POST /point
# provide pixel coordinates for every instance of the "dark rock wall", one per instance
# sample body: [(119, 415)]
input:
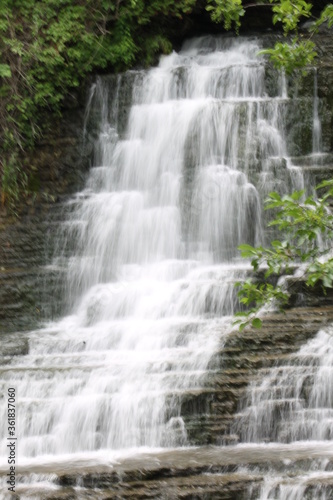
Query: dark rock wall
[(27, 290)]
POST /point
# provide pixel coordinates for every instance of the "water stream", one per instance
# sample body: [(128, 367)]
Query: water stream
[(150, 250), (293, 404), (316, 134)]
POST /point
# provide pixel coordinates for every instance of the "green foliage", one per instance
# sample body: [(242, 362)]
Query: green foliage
[(5, 71), (227, 11), (296, 54), (325, 17), (290, 56), (306, 224), (48, 47), (286, 12), (254, 296), (14, 181), (289, 13)]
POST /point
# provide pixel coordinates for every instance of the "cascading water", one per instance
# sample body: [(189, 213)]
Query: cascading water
[(151, 278), (293, 404), (316, 132)]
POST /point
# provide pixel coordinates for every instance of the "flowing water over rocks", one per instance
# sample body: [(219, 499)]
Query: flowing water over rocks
[(293, 404), (120, 398)]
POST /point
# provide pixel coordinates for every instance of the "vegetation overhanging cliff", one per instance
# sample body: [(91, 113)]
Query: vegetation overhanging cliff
[(49, 48)]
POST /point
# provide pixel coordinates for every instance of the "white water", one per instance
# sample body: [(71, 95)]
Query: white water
[(155, 234), (316, 128), (294, 404)]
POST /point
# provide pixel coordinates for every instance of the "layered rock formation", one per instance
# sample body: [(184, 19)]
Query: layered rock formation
[(28, 237)]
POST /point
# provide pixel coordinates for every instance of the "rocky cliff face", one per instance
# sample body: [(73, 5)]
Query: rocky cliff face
[(27, 294)]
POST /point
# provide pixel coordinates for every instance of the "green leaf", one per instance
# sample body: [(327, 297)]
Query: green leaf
[(5, 71), (256, 323), (247, 250), (242, 326)]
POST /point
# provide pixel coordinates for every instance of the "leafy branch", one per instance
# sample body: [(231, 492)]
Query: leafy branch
[(296, 54), (306, 224)]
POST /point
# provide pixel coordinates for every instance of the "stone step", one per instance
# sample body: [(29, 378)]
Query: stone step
[(229, 486), (313, 160), (247, 356), (205, 473)]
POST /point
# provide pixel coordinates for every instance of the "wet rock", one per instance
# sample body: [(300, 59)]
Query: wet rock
[(208, 413)]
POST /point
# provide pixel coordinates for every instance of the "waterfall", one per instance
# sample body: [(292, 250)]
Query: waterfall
[(316, 129), (183, 156)]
